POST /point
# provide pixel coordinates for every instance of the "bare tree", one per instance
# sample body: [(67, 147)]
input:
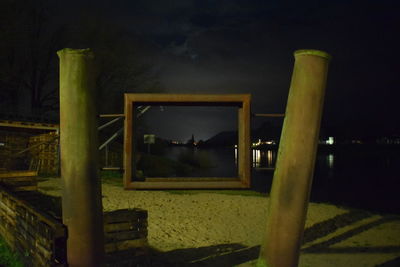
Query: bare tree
[(118, 60), (30, 38), (32, 34)]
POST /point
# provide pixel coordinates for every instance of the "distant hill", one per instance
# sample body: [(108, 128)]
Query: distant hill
[(229, 138), (266, 131), (226, 138)]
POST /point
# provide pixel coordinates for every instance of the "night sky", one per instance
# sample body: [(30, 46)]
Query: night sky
[(238, 46)]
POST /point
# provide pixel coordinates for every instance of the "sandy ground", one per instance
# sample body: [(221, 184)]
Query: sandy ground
[(210, 229)]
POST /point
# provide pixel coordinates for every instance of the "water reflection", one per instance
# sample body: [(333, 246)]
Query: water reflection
[(270, 158), (236, 154), (263, 158), (267, 159), (256, 158), (330, 160)]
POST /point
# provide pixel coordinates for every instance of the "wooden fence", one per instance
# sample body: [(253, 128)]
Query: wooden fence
[(11, 143), (19, 180), (45, 152)]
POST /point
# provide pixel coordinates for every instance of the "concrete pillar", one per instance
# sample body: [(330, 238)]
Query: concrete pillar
[(82, 209), (293, 175)]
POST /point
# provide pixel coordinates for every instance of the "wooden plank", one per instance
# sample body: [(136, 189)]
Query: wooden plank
[(17, 179), (20, 241), (18, 183), (11, 202), (7, 235), (29, 125), (44, 242), (45, 230), (18, 174), (111, 168), (127, 155), (7, 210), (124, 245), (25, 188), (273, 115), (40, 260), (187, 98), (21, 224), (21, 211), (124, 226), (263, 169), (8, 223), (126, 235), (111, 115), (46, 252), (244, 140), (124, 215), (9, 217)]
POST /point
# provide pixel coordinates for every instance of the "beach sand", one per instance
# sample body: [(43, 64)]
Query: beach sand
[(215, 229)]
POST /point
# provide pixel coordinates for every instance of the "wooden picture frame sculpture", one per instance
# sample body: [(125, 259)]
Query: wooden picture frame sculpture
[(242, 101)]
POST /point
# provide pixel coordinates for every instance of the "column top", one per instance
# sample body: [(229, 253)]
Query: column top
[(85, 51), (312, 52)]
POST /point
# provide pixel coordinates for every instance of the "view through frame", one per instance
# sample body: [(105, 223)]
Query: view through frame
[(242, 101)]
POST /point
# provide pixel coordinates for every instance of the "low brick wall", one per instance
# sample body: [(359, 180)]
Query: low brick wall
[(35, 235), (40, 237)]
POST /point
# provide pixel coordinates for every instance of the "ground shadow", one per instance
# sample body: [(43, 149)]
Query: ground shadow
[(329, 226), (324, 247), (218, 255), (392, 263), (235, 254)]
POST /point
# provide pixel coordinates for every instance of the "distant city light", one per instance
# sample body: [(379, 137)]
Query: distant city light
[(330, 160), (260, 142), (330, 140)]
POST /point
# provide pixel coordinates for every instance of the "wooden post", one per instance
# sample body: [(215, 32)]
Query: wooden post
[(295, 163), (244, 141), (81, 192), (106, 163)]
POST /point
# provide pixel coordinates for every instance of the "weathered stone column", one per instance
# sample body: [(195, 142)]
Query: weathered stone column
[(295, 163), (82, 209)]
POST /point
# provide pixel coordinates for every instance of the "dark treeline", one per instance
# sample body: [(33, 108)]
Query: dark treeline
[(34, 30)]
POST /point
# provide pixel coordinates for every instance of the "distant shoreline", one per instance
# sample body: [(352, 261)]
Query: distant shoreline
[(321, 147)]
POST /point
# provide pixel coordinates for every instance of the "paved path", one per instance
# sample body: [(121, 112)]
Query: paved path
[(210, 229)]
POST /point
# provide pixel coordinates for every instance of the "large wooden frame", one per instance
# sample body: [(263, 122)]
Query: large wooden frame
[(242, 101)]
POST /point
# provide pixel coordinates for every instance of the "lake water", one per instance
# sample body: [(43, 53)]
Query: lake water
[(360, 177)]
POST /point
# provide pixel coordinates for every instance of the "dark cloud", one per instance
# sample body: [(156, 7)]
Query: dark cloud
[(238, 46)]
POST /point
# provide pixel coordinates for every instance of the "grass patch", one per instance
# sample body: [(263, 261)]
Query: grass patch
[(111, 177), (7, 257)]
